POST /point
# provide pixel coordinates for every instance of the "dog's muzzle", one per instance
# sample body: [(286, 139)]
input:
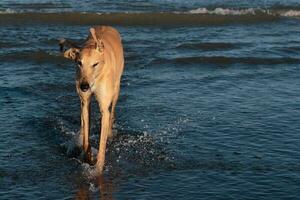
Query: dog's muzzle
[(84, 86)]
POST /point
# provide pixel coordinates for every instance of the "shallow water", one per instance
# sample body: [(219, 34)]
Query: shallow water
[(209, 105)]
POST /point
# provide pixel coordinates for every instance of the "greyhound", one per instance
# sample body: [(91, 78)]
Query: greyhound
[(100, 63)]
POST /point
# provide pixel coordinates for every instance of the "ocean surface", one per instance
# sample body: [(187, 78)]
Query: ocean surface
[(209, 105)]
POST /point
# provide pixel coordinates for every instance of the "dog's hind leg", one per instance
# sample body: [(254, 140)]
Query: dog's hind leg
[(113, 105), (85, 99)]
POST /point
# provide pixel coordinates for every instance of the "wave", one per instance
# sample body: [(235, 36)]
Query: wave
[(50, 57), (224, 11), (207, 46), (46, 57), (191, 18), (277, 10), (274, 10), (9, 44), (222, 60), (33, 56), (249, 11), (290, 13), (200, 16)]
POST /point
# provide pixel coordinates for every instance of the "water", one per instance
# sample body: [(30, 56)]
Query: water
[(209, 105)]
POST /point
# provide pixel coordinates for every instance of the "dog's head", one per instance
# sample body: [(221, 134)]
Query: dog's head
[(89, 61)]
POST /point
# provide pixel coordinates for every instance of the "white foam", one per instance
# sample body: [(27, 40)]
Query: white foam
[(7, 11), (248, 11), (199, 11), (224, 11), (291, 13), (216, 11)]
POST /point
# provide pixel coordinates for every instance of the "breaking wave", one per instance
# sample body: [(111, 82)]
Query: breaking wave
[(200, 16), (248, 11)]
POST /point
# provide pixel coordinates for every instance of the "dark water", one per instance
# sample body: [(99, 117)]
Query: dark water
[(209, 105)]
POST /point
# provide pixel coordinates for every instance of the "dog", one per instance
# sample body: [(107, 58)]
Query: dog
[(100, 64)]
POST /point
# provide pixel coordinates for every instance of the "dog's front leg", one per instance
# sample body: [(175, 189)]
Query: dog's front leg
[(105, 126), (85, 99), (104, 103)]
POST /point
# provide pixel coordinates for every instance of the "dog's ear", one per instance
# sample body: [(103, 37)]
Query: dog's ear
[(99, 42), (71, 53)]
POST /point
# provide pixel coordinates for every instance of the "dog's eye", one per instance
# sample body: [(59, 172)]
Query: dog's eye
[(79, 63), (94, 65)]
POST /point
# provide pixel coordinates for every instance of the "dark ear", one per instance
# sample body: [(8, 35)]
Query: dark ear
[(71, 53), (99, 42)]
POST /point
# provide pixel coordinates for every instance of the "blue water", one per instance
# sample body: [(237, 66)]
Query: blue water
[(206, 111)]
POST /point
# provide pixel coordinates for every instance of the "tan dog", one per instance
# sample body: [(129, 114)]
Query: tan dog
[(100, 65)]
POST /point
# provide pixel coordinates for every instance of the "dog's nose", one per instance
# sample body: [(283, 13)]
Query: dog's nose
[(84, 86)]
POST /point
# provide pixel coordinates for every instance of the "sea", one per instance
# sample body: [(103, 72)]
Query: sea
[(209, 106)]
